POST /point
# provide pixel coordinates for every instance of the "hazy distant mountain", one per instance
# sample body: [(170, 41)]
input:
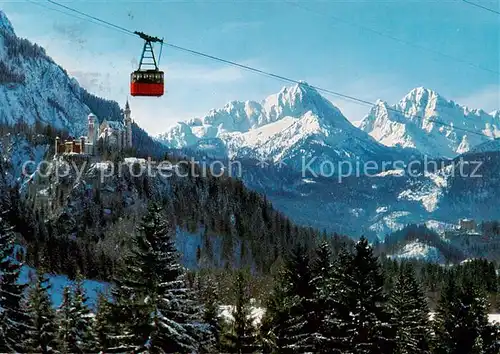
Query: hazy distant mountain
[(414, 122), (296, 123)]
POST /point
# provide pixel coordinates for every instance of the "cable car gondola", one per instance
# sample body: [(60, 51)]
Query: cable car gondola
[(148, 80)]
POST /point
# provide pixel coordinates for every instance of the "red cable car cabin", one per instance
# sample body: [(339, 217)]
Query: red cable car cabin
[(147, 81)]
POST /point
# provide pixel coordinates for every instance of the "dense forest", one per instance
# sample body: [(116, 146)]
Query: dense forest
[(320, 292), (319, 302)]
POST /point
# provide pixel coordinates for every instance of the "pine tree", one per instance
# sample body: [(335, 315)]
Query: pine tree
[(103, 327), (322, 305), (130, 315), (241, 336), (41, 337), (338, 319), (285, 324), (461, 317), (275, 321), (158, 312), (67, 336), (211, 317), (410, 314), (14, 320), (478, 347), (491, 338), (85, 341), (369, 329)]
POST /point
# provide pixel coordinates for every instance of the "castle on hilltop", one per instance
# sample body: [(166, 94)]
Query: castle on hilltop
[(111, 134)]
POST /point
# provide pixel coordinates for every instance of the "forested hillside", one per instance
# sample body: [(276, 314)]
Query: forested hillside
[(314, 303), (83, 223)]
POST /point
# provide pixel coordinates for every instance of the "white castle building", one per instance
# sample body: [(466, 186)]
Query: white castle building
[(114, 134)]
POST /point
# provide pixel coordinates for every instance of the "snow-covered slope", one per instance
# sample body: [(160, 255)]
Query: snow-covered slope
[(15, 153), (293, 124), (34, 88), (412, 123), (58, 282), (420, 251)]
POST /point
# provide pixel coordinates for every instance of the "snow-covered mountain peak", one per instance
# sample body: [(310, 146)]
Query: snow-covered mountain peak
[(420, 102), (299, 99), (34, 89), (5, 24), (297, 121), (428, 122), (419, 94)]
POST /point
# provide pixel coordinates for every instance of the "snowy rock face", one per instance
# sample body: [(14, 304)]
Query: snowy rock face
[(427, 122), (5, 24), (419, 251), (33, 87), (295, 123)]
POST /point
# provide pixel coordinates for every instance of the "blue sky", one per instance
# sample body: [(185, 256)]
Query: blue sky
[(324, 46)]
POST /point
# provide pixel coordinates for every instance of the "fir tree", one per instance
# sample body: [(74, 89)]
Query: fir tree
[(159, 312), (85, 341), (338, 319), (410, 314), (103, 326), (14, 320), (322, 304), (491, 338), (67, 336), (42, 335), (478, 347), (369, 329), (285, 325), (211, 317), (241, 336), (461, 317), (275, 321)]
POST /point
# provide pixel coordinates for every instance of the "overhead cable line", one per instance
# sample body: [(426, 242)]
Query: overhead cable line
[(258, 71), (394, 38), (481, 6)]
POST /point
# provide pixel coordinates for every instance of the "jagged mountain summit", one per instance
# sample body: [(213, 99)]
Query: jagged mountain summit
[(34, 88), (297, 124), (431, 124)]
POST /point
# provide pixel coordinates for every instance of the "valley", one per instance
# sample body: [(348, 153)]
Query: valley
[(260, 227)]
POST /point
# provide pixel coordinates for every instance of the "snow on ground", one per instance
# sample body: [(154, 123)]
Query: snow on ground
[(428, 198), (308, 180), (187, 244), (391, 222), (397, 172), (438, 179), (58, 282), (23, 157), (439, 226), (492, 317), (255, 312), (420, 251), (258, 312)]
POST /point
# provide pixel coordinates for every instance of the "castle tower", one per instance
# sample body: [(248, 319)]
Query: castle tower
[(92, 129), (58, 141), (127, 121), (82, 145)]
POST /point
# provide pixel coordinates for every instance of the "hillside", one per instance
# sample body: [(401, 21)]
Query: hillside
[(36, 90), (89, 215)]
